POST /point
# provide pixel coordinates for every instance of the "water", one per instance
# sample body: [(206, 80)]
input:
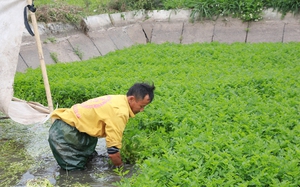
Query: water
[(99, 172)]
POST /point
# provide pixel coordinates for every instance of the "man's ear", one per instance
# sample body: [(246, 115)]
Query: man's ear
[(131, 98)]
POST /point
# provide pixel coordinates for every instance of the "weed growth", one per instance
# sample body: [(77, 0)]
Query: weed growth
[(14, 161), (59, 12), (78, 52), (50, 39), (54, 57), (250, 10)]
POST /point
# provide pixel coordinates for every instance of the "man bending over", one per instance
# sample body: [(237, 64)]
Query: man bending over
[(74, 134)]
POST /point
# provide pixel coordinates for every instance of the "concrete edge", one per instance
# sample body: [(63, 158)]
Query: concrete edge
[(106, 21), (65, 43)]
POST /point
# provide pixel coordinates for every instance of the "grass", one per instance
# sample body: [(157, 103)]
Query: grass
[(54, 57), (78, 52), (68, 11)]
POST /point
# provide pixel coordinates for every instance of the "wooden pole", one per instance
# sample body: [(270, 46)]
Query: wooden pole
[(41, 57)]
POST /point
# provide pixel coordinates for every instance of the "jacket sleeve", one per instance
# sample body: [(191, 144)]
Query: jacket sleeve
[(114, 129)]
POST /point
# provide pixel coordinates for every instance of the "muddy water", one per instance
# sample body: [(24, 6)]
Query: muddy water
[(99, 171)]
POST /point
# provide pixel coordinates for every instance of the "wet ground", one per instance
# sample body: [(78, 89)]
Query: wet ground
[(42, 169)]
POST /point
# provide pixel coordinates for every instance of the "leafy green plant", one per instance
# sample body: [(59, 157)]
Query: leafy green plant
[(285, 6), (120, 172), (54, 57), (250, 10), (50, 39), (223, 114), (78, 52)]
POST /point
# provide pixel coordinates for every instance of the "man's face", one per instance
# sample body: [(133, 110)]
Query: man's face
[(138, 105)]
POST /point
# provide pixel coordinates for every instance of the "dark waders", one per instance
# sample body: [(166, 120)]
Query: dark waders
[(71, 148)]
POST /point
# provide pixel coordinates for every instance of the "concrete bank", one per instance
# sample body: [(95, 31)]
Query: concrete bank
[(104, 33)]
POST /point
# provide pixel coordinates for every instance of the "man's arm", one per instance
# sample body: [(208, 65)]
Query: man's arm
[(115, 156), (114, 131)]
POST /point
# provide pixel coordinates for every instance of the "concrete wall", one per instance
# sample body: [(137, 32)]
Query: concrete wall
[(104, 33)]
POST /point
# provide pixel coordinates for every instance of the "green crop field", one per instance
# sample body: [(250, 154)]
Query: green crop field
[(223, 114)]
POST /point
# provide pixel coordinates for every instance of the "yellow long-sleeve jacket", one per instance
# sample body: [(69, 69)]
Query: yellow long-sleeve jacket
[(104, 116)]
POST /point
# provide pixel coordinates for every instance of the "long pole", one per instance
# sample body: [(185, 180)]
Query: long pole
[(41, 57)]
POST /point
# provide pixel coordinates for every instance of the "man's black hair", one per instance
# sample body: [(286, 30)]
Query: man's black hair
[(140, 90)]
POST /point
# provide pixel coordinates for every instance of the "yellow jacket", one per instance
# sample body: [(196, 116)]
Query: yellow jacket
[(104, 116)]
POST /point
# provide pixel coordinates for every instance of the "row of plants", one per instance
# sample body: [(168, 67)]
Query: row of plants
[(223, 114), (73, 11)]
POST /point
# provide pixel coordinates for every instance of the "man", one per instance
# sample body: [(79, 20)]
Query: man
[(74, 134)]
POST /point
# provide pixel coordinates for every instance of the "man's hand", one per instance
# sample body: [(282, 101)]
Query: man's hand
[(116, 159)]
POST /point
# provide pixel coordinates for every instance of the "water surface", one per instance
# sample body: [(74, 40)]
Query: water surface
[(42, 166)]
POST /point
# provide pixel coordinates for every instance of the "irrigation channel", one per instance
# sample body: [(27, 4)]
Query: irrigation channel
[(42, 165)]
